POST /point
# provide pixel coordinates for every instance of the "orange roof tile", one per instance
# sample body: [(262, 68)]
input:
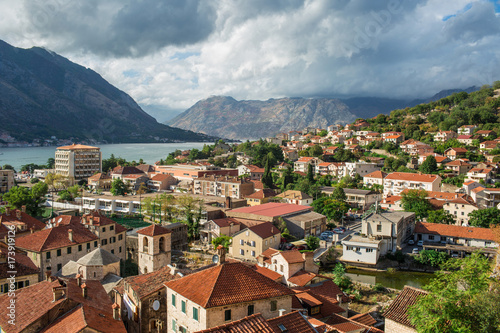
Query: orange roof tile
[(76, 146), (293, 322), (364, 318), (261, 194), (154, 230), (275, 276), (398, 310), (424, 178), (228, 283), (376, 174), (301, 278), (251, 324), (27, 219), (454, 231), (225, 222), (292, 256)]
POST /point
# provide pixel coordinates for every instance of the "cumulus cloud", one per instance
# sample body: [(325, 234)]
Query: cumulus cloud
[(174, 53)]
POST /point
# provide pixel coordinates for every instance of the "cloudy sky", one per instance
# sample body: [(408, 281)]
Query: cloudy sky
[(170, 54)]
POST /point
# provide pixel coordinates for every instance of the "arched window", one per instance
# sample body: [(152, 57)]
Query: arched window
[(162, 244), (145, 244)]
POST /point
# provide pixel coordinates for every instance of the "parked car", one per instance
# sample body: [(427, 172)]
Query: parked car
[(420, 243), (411, 242), (415, 251), (338, 231)]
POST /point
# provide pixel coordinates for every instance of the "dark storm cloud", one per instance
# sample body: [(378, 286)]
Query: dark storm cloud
[(122, 29)]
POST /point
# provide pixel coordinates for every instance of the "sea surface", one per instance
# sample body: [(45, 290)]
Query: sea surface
[(149, 152)]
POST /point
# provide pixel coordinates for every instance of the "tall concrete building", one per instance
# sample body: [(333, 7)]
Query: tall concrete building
[(6, 180), (77, 162)]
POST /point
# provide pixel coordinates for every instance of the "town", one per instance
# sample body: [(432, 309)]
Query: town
[(255, 236)]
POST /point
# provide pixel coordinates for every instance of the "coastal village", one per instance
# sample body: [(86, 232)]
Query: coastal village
[(246, 239)]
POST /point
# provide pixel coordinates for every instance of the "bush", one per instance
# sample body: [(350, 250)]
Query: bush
[(34, 180), (432, 257), (378, 287), (397, 256)]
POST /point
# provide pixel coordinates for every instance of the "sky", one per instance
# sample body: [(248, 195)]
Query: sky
[(169, 54)]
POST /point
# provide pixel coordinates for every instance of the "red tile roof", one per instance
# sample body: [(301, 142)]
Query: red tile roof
[(364, 318), (458, 163), (293, 322), (75, 147), (97, 219), (261, 194), (301, 278), (145, 284), (24, 265), (398, 310), (345, 325), (275, 276), (271, 209), (251, 324), (55, 238), (415, 177), (376, 174), (454, 231), (292, 256), (225, 284), (308, 299), (26, 219), (154, 230), (265, 230), (161, 177), (225, 222)]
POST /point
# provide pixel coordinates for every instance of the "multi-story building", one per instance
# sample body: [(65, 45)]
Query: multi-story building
[(454, 153), (249, 243), (397, 182), (6, 180), (296, 198), (22, 222), (223, 186), (374, 178), (443, 136), (26, 272), (467, 129), (221, 294), (108, 205), (478, 174), (302, 164), (486, 197), (78, 162), (154, 248), (191, 172), (212, 229), (458, 167), (360, 168), (460, 208)]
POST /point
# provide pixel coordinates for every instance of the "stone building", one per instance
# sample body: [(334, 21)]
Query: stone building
[(154, 248)]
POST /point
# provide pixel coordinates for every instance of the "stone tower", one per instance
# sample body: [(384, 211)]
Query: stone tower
[(154, 248)]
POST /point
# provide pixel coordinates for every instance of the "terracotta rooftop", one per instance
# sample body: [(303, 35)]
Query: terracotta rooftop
[(292, 256), (154, 230), (128, 170), (24, 265), (275, 276), (145, 284), (25, 219), (398, 310), (376, 174), (345, 325), (454, 231), (55, 238), (76, 147), (271, 209), (228, 283), (226, 222), (251, 324), (364, 318), (294, 195), (161, 177), (301, 278), (95, 218), (261, 194), (264, 230), (457, 163), (292, 322), (415, 177)]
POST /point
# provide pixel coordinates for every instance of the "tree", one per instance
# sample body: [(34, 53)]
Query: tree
[(415, 201), (432, 257), (222, 240), (484, 217), (331, 208), (267, 178), (287, 178), (191, 207), (440, 216), (8, 167), (118, 187), (33, 198), (310, 173), (462, 298), (339, 194), (51, 162), (339, 277), (429, 165), (312, 242)]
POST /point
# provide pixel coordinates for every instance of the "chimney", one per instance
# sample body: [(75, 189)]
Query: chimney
[(48, 273), (57, 292), (339, 298), (84, 290), (281, 312), (23, 208), (116, 311), (79, 280), (173, 269), (221, 251), (7, 211), (32, 230), (70, 235), (18, 214)]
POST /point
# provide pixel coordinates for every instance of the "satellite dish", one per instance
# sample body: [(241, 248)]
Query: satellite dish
[(215, 259), (156, 305)]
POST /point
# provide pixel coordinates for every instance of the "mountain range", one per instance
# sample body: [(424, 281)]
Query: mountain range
[(240, 120), (43, 94)]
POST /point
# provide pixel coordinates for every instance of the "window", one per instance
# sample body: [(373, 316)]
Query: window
[(253, 253), (251, 310), (112, 228), (242, 252), (113, 251), (120, 249), (47, 255), (95, 243), (195, 313), (274, 305), (431, 237), (59, 252), (68, 250), (104, 242), (253, 243), (379, 227), (103, 229), (80, 247), (5, 288), (120, 237), (162, 244), (242, 242), (314, 310), (88, 246), (182, 329), (59, 267), (369, 250), (227, 315), (174, 325), (281, 268), (183, 306), (173, 300)]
